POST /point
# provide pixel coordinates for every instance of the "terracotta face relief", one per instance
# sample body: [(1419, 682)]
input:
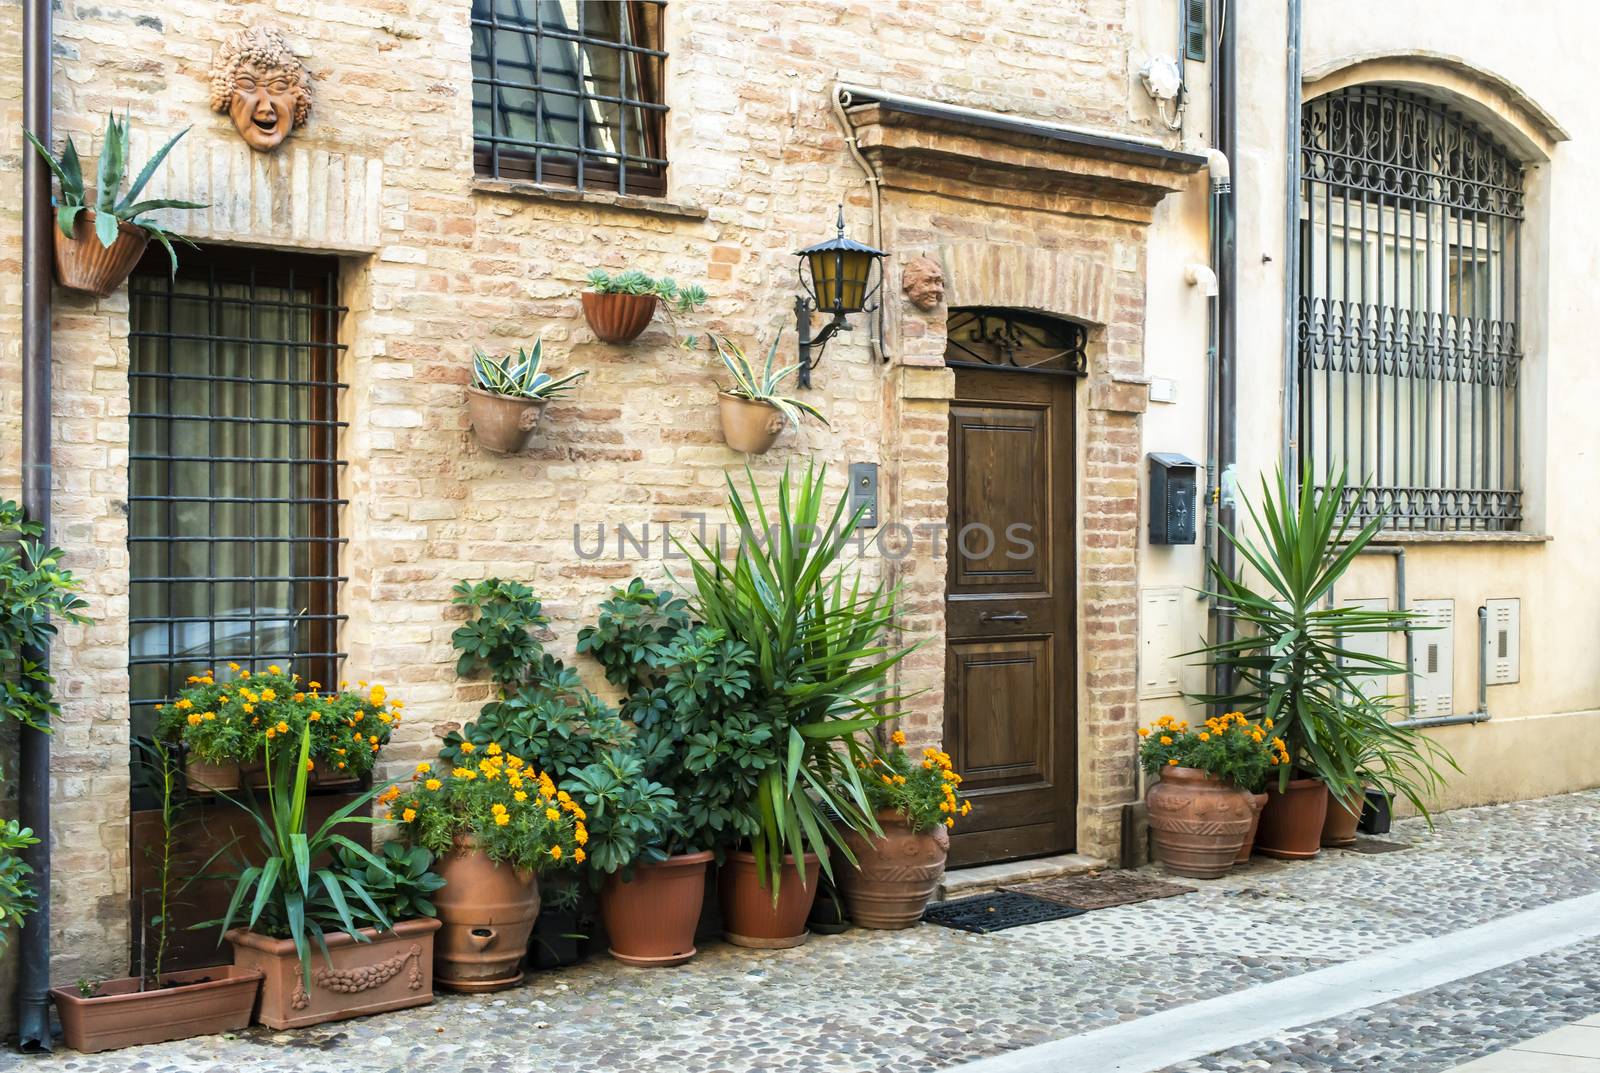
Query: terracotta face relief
[(922, 282), (256, 79)]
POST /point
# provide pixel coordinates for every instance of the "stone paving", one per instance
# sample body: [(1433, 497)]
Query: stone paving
[(932, 997)]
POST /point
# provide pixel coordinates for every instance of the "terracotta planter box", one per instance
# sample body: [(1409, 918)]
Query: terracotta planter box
[(82, 264), (749, 918), (751, 427), (895, 874), (392, 971), (651, 918), (618, 318), (1197, 821), (199, 1002), (502, 423), (204, 778)]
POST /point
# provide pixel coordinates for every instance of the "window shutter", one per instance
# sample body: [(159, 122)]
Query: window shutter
[(1194, 29)]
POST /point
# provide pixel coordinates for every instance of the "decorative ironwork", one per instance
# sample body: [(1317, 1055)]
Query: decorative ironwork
[(982, 337), (569, 92), (1408, 341)]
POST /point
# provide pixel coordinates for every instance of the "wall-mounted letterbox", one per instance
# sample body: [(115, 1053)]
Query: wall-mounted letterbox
[(1172, 498)]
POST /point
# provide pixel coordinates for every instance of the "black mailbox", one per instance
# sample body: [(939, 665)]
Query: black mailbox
[(1172, 498)]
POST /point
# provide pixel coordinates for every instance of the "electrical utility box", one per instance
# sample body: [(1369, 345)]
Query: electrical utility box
[(1173, 487)]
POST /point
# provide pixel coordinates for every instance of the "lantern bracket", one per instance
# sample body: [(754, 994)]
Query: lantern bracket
[(846, 268)]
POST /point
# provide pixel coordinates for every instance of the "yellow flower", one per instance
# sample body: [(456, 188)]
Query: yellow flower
[(579, 856), (497, 808), (898, 737), (275, 669), (501, 819), (424, 767), (581, 835), (270, 733), (233, 667), (966, 807), (409, 814), (950, 821), (1144, 732), (267, 694), (209, 716), (194, 719), (520, 795), (314, 686), (184, 705), (555, 852), (433, 784), (468, 747), (1173, 762), (1166, 739), (314, 717), (310, 764), (464, 773), (493, 749), (551, 814), (1204, 736), (283, 728)]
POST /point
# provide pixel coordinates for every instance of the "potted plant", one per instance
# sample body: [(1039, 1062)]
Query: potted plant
[(226, 724), (1202, 808), (619, 307), (157, 1006), (290, 908), (816, 687), (915, 803), (494, 825), (752, 411), (651, 897), (111, 220), (1288, 665), (509, 393)]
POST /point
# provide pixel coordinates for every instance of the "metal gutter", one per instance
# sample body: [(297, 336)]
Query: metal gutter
[(33, 762), (1290, 447), (1225, 137), (1147, 149)]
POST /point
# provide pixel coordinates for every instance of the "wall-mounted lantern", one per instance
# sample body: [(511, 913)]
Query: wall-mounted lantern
[(840, 272)]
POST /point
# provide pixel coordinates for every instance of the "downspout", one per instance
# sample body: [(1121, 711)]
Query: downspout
[(1225, 137), (840, 98), (1290, 447), (1221, 183), (33, 761)]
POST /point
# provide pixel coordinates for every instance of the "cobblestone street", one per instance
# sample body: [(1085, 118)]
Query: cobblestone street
[(934, 998)]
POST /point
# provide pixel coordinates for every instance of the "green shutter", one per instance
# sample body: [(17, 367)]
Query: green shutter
[(1194, 29)]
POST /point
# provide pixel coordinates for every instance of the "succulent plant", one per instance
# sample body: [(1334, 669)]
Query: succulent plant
[(520, 375), (763, 387), (632, 281)]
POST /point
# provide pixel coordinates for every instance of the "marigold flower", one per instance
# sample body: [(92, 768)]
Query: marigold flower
[(501, 819), (1172, 762), (310, 764), (555, 852), (579, 856), (898, 737), (314, 717), (468, 747), (1166, 739), (552, 815), (409, 814), (268, 694), (581, 835), (520, 796), (432, 784)]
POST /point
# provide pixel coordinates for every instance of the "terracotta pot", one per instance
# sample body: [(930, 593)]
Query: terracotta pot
[(618, 318), (651, 918), (82, 264), (1339, 827), (1257, 803), (1197, 821), (748, 916), (502, 423), (391, 971), (895, 874), (751, 427), (198, 1002), (204, 778), (488, 911), (1291, 822)]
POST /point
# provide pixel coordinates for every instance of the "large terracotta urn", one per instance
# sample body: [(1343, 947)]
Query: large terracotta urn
[(487, 910), (895, 873), (1197, 821), (1339, 826), (1291, 821), (749, 915), (650, 918)]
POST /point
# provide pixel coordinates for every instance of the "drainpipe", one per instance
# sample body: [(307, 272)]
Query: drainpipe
[(840, 98), (33, 761), (1290, 447), (1221, 183), (1481, 714), (1225, 137)]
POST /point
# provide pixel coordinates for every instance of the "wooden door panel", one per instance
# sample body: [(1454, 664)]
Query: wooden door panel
[(1003, 690), (1000, 455)]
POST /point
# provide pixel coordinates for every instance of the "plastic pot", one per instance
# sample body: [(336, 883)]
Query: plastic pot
[(749, 915)]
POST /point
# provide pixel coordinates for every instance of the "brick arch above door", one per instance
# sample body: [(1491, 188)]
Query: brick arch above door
[(1063, 283)]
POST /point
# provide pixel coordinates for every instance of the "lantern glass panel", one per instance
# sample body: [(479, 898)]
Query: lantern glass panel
[(839, 278)]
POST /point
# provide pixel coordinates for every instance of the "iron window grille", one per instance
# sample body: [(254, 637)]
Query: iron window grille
[(1408, 345), (234, 470), (569, 93), (980, 337)]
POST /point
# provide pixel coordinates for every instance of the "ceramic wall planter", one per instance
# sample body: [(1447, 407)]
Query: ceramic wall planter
[(391, 971), (502, 423), (1197, 822), (751, 427), (82, 264), (618, 318), (895, 874), (1257, 803), (1339, 826), (1291, 822), (487, 910), (197, 1002), (651, 918), (204, 778), (749, 917)]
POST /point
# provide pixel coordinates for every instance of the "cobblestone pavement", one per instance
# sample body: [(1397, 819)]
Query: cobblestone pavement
[(930, 998)]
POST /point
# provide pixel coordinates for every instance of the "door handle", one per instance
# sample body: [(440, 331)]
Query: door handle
[(1014, 616)]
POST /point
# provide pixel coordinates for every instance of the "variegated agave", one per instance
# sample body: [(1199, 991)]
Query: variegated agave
[(747, 384), (520, 375), (113, 169)]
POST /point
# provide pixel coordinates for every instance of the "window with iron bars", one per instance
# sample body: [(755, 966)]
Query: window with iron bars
[(1408, 346), (234, 470), (569, 93)]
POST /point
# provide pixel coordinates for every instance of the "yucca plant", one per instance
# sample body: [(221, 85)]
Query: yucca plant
[(1288, 662), (520, 375), (109, 205), (763, 386), (822, 666)]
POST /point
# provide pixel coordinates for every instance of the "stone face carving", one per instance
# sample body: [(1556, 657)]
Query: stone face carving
[(262, 87), (922, 282)]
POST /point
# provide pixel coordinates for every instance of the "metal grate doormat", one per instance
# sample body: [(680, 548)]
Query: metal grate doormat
[(1376, 845), (1101, 890), (996, 911)]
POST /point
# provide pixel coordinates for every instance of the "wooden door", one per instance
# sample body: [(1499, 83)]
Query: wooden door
[(1010, 672)]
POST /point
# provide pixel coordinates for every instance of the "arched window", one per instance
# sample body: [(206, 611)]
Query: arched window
[(1409, 352)]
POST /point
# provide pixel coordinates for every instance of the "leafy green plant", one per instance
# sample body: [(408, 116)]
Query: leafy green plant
[(87, 987), (287, 891), (631, 818), (512, 811), (1228, 746), (109, 208), (402, 887), (502, 635), (922, 791), (762, 386), (819, 678), (634, 633), (521, 375), (17, 896), (1288, 664), (685, 299), (34, 589)]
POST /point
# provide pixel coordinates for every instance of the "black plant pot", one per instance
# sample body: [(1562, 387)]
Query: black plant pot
[(566, 934), (828, 916), (1375, 815)]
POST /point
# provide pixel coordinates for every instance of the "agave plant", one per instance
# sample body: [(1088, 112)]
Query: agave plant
[(747, 384), (108, 205), (520, 375)]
